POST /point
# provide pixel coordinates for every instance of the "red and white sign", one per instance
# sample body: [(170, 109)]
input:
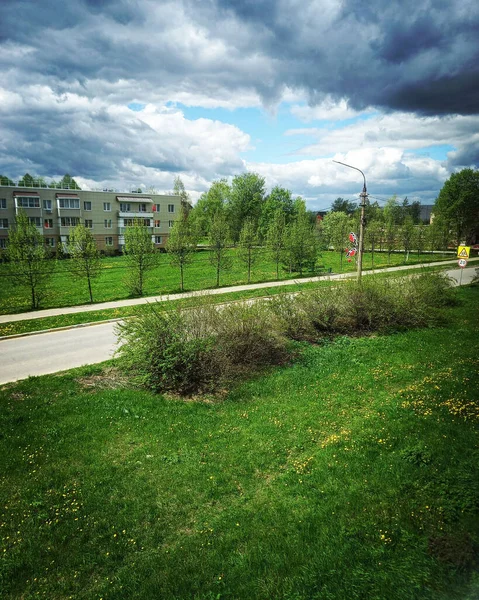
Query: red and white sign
[(462, 262)]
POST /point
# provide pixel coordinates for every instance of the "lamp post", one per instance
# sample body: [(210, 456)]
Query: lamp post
[(364, 197)]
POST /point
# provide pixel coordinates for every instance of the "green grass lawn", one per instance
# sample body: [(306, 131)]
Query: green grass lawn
[(66, 291), (351, 474)]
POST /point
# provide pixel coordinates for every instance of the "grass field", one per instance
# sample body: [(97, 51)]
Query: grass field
[(352, 474), (67, 291)]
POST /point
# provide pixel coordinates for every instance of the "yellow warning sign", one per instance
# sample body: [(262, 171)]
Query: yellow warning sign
[(463, 251)]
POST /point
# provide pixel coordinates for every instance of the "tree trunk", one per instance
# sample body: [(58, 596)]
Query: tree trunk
[(89, 289)]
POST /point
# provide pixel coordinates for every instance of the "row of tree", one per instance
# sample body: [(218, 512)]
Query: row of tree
[(66, 182)]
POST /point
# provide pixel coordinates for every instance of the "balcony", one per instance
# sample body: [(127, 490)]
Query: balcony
[(135, 215), (121, 230)]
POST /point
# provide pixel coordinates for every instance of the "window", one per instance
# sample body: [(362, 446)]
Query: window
[(47, 204), (170, 224), (3, 243), (141, 207), (88, 223), (50, 242), (37, 221), (108, 241), (69, 221), (107, 206), (87, 206), (3, 223), (158, 239), (69, 202), (3, 203), (171, 208), (28, 202), (157, 222), (107, 223), (156, 208), (48, 223), (125, 207)]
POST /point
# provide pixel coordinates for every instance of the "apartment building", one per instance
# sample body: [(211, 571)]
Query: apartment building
[(106, 213)]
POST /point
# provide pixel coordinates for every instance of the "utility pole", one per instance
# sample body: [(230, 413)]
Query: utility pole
[(364, 198)]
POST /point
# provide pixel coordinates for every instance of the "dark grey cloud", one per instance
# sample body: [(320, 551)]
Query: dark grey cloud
[(420, 56)]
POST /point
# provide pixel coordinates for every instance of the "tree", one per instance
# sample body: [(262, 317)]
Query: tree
[(345, 206), (245, 201), (85, 262), (248, 246), (336, 227), (219, 241), (279, 199), (67, 182), (27, 181), (179, 190), (181, 244), (141, 255), (301, 243), (406, 233), (392, 211), (276, 238), (420, 237), (390, 229), (458, 205), (27, 257), (4, 180), (373, 236), (209, 205)]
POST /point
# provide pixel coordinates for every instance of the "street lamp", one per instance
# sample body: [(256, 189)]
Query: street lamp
[(364, 197)]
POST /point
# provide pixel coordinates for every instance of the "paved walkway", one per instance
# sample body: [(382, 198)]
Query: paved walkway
[(53, 312)]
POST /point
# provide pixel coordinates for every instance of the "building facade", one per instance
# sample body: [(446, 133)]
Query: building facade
[(55, 211)]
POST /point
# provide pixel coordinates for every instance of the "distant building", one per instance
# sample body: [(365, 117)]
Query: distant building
[(426, 213), (107, 213)]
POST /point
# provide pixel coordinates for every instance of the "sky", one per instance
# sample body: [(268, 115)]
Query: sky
[(132, 93)]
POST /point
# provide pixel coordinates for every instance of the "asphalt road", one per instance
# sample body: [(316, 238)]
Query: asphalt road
[(55, 351)]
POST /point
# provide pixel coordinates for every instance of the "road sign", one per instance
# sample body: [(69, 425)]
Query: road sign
[(462, 262), (463, 251)]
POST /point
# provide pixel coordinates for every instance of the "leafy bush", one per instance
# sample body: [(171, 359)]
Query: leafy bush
[(199, 349), (206, 347)]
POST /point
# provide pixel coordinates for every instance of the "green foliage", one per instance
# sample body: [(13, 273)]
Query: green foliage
[(141, 256), (336, 227), (179, 190), (458, 205), (248, 246), (85, 262), (276, 238), (4, 180), (245, 201), (67, 182), (301, 244), (407, 235), (219, 242), (181, 244), (279, 199), (200, 349), (371, 305), (28, 265), (345, 206), (209, 205)]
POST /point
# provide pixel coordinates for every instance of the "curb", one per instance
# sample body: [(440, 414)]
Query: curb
[(64, 328)]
